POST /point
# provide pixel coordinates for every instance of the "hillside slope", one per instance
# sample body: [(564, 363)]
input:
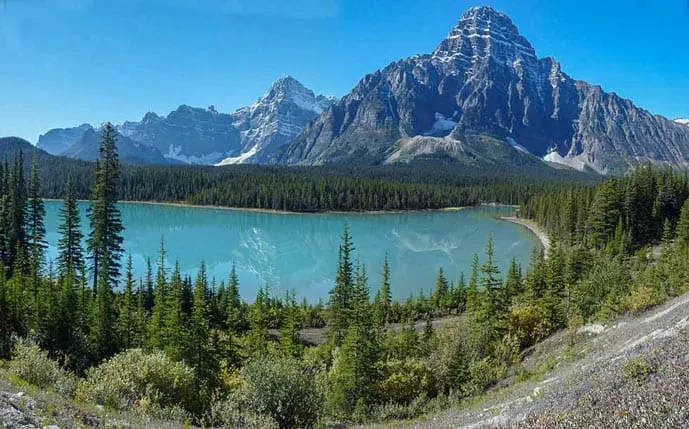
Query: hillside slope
[(589, 382)]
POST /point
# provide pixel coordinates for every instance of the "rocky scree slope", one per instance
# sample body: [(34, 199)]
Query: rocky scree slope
[(632, 373)]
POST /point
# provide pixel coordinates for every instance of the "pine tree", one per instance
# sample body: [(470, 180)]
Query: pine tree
[(235, 321), (103, 332), (341, 296), (200, 354), (17, 242), (174, 328), (105, 238), (473, 294), (35, 226), (290, 338), (127, 322), (354, 374), (682, 230), (440, 292), (383, 299), (70, 257), (256, 340), (459, 295), (4, 214), (156, 326), (513, 283)]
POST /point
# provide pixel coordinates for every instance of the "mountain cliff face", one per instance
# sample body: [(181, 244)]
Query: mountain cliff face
[(130, 151), (59, 140), (275, 119), (189, 134), (485, 82), (194, 135)]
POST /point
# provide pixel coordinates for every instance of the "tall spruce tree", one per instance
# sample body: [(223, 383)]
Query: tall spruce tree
[(383, 299), (341, 296), (105, 237), (35, 227), (17, 242), (199, 351), (128, 321), (70, 257)]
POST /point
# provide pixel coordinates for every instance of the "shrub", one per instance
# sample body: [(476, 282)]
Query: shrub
[(149, 382), (643, 297), (404, 380), (227, 414), (287, 390), (33, 365), (637, 369), (528, 323), (481, 376)]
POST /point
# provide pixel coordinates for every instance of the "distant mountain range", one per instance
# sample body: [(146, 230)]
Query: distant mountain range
[(481, 97), (203, 136)]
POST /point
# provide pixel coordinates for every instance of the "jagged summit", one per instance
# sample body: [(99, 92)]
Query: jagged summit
[(482, 33)]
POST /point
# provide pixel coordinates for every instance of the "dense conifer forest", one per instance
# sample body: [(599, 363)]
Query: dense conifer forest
[(423, 185), (193, 350)]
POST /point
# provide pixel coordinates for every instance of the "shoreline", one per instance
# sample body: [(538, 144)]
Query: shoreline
[(534, 228), (282, 212)]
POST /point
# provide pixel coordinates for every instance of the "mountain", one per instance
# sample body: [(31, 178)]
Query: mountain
[(195, 135), (59, 140), (189, 134), (682, 121), (275, 119), (483, 94), (130, 151)]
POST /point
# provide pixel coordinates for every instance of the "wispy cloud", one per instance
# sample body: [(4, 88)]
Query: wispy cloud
[(291, 9)]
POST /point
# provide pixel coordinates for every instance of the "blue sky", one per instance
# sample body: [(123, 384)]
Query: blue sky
[(65, 62)]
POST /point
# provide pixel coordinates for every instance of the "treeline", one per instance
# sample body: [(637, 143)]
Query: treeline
[(632, 211), (418, 186)]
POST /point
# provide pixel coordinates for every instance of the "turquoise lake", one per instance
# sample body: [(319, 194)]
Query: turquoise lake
[(299, 251)]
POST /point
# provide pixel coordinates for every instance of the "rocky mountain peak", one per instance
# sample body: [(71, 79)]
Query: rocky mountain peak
[(288, 90), (480, 34)]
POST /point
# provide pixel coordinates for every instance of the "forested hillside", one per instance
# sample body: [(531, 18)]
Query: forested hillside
[(172, 347), (302, 189)]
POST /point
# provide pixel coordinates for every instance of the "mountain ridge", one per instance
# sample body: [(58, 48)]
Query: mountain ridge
[(485, 78), (194, 135)]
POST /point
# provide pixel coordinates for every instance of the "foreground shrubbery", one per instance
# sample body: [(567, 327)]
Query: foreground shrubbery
[(138, 380), (288, 392), (33, 365)]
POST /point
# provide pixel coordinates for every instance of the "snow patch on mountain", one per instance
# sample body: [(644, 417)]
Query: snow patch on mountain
[(174, 152), (576, 162), (442, 126), (683, 121), (240, 159), (517, 146)]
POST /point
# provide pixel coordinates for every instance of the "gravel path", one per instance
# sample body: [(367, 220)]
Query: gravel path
[(588, 387)]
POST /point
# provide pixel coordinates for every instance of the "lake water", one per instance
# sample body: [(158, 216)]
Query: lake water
[(299, 251)]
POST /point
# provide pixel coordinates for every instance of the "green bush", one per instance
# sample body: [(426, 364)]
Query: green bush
[(285, 389), (33, 365), (637, 369), (481, 376), (227, 414), (404, 380), (147, 381)]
